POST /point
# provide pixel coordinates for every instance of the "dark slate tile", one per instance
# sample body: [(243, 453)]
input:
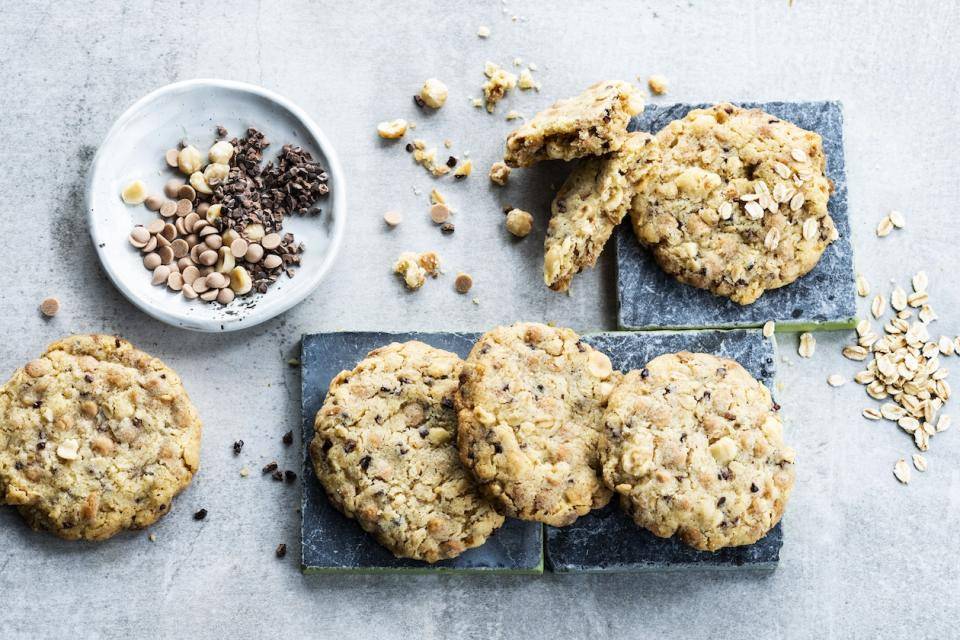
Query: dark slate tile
[(607, 540), (332, 542), (823, 299)]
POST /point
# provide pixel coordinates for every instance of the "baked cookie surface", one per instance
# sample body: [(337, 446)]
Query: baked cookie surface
[(385, 452), (694, 446), (96, 437), (530, 407), (589, 206), (593, 123), (739, 205)]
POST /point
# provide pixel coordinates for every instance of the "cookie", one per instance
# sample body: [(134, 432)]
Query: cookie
[(385, 452), (593, 123), (590, 204), (694, 446), (739, 205), (96, 437), (530, 407)]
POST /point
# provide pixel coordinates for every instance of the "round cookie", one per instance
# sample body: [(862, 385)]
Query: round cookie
[(96, 437), (694, 446), (739, 203), (384, 449), (530, 408)]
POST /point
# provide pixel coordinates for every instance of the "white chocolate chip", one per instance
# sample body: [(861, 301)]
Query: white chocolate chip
[(68, 450), (134, 193), (433, 93), (392, 129)]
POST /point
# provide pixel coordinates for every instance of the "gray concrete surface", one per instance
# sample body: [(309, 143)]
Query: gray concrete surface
[(863, 556)]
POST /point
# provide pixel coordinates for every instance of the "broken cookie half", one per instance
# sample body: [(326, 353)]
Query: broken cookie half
[(590, 204), (593, 123)]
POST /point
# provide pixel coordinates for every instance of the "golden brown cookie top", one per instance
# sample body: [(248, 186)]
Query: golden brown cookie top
[(96, 436), (694, 446)]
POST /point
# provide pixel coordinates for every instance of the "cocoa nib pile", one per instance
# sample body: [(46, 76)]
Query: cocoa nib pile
[(293, 183)]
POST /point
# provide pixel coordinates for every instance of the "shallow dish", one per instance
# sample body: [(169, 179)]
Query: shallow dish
[(134, 149)]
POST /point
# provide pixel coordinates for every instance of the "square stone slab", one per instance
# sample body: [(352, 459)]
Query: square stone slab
[(825, 298), (333, 542), (608, 540)]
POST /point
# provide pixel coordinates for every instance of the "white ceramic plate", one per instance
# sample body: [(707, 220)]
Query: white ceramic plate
[(134, 149)]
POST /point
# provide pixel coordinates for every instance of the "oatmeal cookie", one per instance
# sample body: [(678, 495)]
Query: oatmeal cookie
[(694, 446), (593, 123), (590, 204), (530, 407), (95, 437), (740, 203), (385, 452)]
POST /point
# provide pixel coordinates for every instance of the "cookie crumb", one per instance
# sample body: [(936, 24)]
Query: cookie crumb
[(410, 270), (526, 82), (244, 472), (463, 283), (281, 550), (270, 467), (499, 173), (476, 301), (513, 114), (288, 438), (50, 307), (483, 31), (237, 447), (152, 537), (200, 515), (658, 84), (289, 476), (499, 82)]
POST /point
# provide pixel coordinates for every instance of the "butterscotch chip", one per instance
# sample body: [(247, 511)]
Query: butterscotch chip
[(153, 202), (74, 429), (395, 469), (186, 192), (439, 213), (172, 157), (463, 283), (184, 206), (392, 218), (50, 307)]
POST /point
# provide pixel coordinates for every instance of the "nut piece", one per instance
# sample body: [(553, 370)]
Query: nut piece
[(392, 129), (430, 261), (68, 450), (49, 307), (433, 93), (519, 222), (221, 152), (463, 282), (836, 380), (199, 183), (240, 281), (392, 218), (189, 160), (463, 170), (134, 193), (215, 173), (499, 172), (499, 82), (657, 84)]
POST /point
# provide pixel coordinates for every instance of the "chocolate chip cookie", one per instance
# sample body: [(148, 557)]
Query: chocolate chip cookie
[(385, 451), (739, 205), (530, 407), (694, 446), (593, 123), (96, 436), (590, 204)]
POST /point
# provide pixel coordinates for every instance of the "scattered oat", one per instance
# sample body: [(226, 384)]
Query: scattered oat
[(872, 414), (427, 158), (885, 227), (943, 423), (855, 352), (879, 306), (920, 281), (898, 299), (807, 345), (863, 287), (769, 327), (897, 220), (902, 471), (658, 84), (836, 380), (919, 462), (483, 31)]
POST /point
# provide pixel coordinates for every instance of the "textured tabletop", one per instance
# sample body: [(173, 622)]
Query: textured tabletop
[(863, 556)]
